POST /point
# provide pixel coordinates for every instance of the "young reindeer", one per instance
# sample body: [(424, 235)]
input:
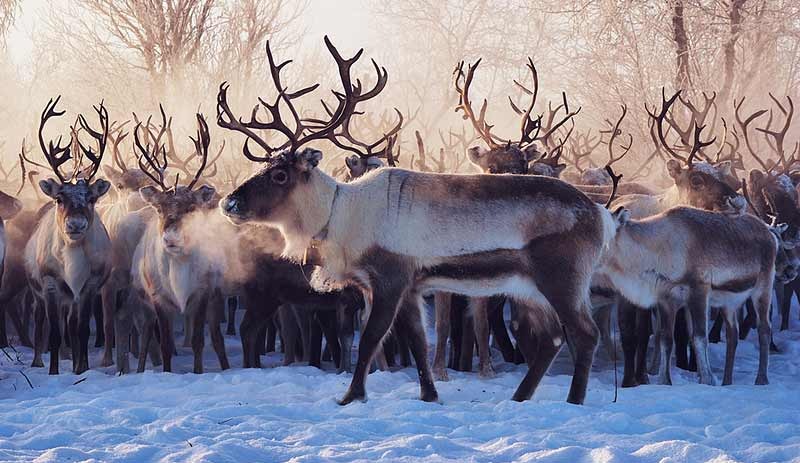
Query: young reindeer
[(667, 260), (773, 192), (68, 257), (170, 271), (697, 184), (398, 234)]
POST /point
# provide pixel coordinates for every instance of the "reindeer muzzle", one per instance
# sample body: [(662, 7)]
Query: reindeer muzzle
[(75, 227), (232, 209)]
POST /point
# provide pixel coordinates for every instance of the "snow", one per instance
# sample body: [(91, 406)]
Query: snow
[(289, 414)]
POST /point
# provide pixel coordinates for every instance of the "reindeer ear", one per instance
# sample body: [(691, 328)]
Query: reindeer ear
[(204, 194), (149, 194), (476, 154), (113, 174), (756, 179), (558, 169), (50, 187), (99, 188), (531, 152), (622, 216), (780, 228), (308, 159), (674, 168), (724, 168), (352, 161)]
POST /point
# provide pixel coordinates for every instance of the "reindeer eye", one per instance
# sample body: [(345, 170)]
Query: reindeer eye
[(279, 176), (696, 181)]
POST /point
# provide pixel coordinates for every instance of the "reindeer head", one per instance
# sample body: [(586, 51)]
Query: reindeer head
[(787, 259), (515, 157), (75, 204), (127, 184), (9, 206), (177, 203), (174, 208), (75, 194), (358, 165), (266, 196), (285, 185), (510, 159), (772, 191), (700, 184)]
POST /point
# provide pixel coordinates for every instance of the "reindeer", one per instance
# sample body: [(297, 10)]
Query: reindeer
[(697, 184), (522, 156), (67, 258), (773, 191), (666, 260), (169, 269), (372, 234), (9, 208)]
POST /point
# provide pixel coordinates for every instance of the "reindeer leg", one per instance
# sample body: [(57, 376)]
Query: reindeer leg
[(644, 328), (188, 335), (197, 318), (167, 340), (99, 319), (53, 315), (498, 326), (731, 341), (478, 309), (785, 302), (327, 322), (584, 335), (749, 321), (214, 311), (289, 334), (271, 335), (697, 311), (122, 332), (385, 304), (626, 318), (38, 333), (762, 307), (146, 328), (467, 341), (455, 332), (441, 303), (233, 303), (345, 321), (86, 307), (666, 326), (540, 345), (682, 340), (109, 301), (409, 319)]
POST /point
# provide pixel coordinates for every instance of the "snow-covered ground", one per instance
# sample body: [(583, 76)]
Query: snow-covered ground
[(289, 414)]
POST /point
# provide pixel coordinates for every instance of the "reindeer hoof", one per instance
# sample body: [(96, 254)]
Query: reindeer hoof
[(106, 362), (629, 382), (37, 363), (643, 379), (429, 396), (773, 348), (665, 381), (761, 380), (710, 380), (351, 397), (441, 374), (487, 373)]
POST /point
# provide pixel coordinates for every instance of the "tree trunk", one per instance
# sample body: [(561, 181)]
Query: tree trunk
[(729, 49), (682, 78)]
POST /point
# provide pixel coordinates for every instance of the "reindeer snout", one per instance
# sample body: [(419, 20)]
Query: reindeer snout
[(737, 203), (76, 225), (172, 239), (229, 205)]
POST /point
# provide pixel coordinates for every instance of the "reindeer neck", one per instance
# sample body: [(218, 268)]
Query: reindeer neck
[(314, 206), (670, 198)]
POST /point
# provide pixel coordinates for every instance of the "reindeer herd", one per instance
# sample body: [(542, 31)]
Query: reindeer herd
[(167, 238)]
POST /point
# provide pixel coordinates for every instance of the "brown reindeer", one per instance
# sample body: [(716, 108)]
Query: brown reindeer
[(399, 234), (522, 156), (170, 269), (68, 257), (667, 260)]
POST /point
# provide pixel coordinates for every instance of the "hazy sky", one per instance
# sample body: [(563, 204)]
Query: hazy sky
[(345, 21)]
